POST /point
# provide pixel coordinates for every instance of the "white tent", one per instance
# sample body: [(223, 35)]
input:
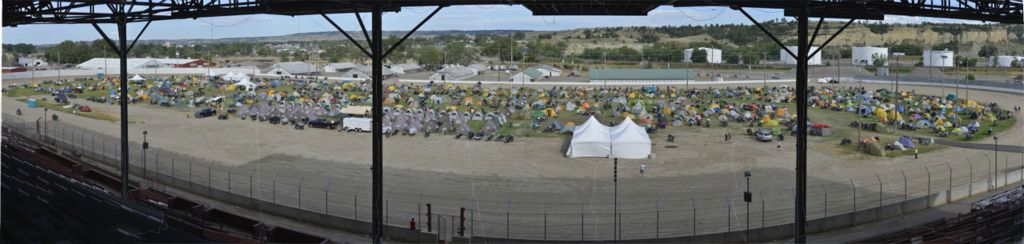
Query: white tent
[(590, 140), (137, 78), (229, 76), (630, 141), (247, 84), (212, 74)]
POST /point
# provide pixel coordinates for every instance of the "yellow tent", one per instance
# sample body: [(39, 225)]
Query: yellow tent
[(880, 112), (771, 123), (570, 123), (550, 112), (779, 112)]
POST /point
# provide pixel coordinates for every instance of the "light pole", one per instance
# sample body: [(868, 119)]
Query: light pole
[(995, 150), (615, 179), (943, 75), (897, 56), (764, 63), (747, 197), (145, 146)]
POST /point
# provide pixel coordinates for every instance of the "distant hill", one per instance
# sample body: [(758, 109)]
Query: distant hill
[(331, 36)]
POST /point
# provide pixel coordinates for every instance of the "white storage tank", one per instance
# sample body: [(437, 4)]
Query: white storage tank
[(1003, 61), (934, 58), (714, 56), (786, 59), (867, 55)]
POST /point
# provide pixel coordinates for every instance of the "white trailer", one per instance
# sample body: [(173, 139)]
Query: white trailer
[(357, 124)]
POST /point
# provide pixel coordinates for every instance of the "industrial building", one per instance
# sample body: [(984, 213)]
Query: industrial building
[(714, 55), (785, 58), (867, 55), (1005, 61), (292, 68)]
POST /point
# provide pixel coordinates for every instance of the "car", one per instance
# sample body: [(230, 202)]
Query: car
[(84, 108), (763, 135), (206, 112), (323, 124), (274, 120)]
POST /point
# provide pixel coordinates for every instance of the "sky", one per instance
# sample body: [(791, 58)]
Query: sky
[(451, 18)]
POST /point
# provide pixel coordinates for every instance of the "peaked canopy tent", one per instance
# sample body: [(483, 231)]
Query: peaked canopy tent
[(123, 12), (590, 140), (137, 78), (630, 141)]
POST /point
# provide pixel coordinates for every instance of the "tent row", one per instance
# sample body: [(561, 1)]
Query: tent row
[(626, 140)]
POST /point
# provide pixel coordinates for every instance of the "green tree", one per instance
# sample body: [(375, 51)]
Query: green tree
[(988, 50), (428, 55)]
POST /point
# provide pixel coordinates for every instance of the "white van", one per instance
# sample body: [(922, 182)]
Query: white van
[(357, 124)]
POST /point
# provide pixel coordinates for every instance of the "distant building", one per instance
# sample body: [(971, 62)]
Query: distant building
[(868, 55), (339, 67), (113, 64), (934, 58), (32, 62), (1005, 61), (528, 75), (714, 55), (548, 70), (365, 72), (292, 69), (639, 75), (457, 72), (480, 68), (785, 58), (405, 68)]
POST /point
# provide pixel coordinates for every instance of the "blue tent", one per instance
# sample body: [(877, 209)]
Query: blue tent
[(906, 142)]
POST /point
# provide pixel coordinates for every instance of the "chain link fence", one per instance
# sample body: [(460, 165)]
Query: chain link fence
[(342, 199)]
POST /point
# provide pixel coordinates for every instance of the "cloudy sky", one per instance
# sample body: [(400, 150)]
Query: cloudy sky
[(451, 18)]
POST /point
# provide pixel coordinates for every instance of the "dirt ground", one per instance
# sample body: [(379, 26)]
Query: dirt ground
[(528, 172)]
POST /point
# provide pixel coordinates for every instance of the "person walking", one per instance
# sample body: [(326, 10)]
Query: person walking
[(915, 153), (643, 167), (778, 145)]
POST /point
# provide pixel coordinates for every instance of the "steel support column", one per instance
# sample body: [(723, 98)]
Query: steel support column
[(377, 52), (801, 124)]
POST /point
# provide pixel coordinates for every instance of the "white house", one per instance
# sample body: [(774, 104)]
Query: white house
[(934, 58), (714, 55), (292, 69), (868, 55), (787, 59)]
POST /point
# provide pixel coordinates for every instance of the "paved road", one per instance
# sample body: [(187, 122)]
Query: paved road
[(981, 146)]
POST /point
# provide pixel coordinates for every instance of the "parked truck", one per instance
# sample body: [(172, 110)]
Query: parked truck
[(357, 124)]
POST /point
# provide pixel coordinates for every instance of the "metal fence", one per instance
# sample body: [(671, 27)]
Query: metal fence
[(343, 194)]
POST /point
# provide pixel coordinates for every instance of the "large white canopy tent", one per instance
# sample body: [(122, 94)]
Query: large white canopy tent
[(595, 140), (630, 141), (590, 140)]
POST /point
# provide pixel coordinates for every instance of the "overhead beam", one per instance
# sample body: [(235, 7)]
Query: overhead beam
[(766, 32), (350, 39), (414, 29)]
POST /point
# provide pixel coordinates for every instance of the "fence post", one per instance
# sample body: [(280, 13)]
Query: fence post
[(988, 173), (173, 158), (728, 215), (508, 222), (904, 191), (327, 195), (929, 171), (209, 179), (190, 172), (823, 188), (1006, 169), (970, 178), (355, 205), (763, 213), (230, 170), (301, 182), (545, 220), (582, 223), (879, 212), (693, 205), (273, 190), (853, 218), (949, 193), (251, 196), (657, 219)]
